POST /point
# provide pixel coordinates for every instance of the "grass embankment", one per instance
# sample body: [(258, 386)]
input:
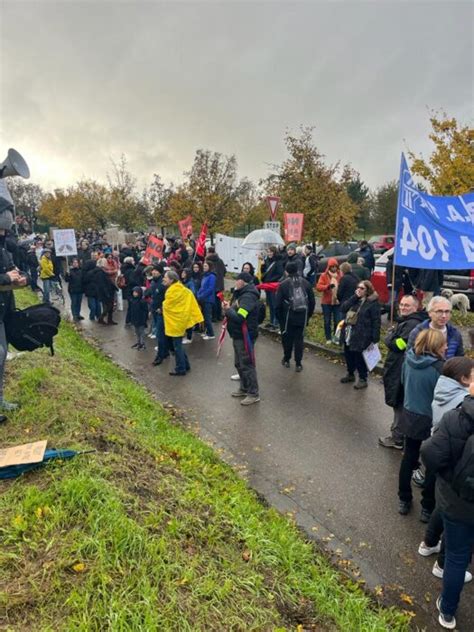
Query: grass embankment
[(151, 532)]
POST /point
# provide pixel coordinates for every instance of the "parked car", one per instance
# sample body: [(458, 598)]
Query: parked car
[(459, 281), (335, 249), (382, 243)]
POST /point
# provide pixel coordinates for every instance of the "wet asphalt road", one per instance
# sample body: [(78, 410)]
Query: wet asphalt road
[(309, 447)]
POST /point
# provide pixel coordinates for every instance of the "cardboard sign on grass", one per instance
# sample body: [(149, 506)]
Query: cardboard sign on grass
[(22, 454)]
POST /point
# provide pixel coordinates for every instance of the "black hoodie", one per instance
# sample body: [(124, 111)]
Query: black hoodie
[(246, 299)]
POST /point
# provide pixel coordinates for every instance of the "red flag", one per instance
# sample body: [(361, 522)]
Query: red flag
[(220, 342), (186, 227), (293, 226), (201, 241), (154, 250)]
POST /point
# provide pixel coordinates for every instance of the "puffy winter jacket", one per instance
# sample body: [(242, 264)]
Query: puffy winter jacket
[(448, 394), (454, 339), (441, 454), (367, 328), (243, 308)]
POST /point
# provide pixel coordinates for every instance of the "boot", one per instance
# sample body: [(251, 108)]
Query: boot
[(101, 320)]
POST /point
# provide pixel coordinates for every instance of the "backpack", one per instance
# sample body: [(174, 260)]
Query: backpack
[(298, 296), (463, 479), (33, 327), (262, 312)]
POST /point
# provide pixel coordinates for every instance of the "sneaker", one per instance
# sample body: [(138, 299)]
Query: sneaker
[(299, 368), (186, 341), (439, 572), (328, 343), (135, 346), (360, 385), (389, 442), (446, 621), (418, 478), (426, 551), (285, 363), (206, 337), (404, 507), (347, 378), (250, 399), (239, 393), (235, 377), (4, 405)]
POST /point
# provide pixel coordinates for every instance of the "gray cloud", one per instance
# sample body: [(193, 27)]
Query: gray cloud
[(84, 81)]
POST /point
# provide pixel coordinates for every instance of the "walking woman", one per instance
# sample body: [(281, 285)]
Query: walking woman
[(361, 329), (420, 372)]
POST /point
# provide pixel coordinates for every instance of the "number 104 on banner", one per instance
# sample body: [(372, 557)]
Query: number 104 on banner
[(293, 226)]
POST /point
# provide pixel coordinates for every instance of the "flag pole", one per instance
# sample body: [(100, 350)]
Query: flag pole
[(392, 302)]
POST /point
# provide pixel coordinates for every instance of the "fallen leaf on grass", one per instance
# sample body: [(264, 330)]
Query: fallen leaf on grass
[(79, 567), (246, 555), (406, 599), (378, 590)]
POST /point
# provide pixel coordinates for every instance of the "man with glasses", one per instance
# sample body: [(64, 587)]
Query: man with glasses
[(439, 312), (397, 343)]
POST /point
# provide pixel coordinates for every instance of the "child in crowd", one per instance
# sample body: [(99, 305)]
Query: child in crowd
[(138, 316)]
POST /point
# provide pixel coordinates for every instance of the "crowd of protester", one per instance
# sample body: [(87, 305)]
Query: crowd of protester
[(428, 381)]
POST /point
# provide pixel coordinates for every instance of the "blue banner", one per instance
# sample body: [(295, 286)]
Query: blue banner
[(432, 231)]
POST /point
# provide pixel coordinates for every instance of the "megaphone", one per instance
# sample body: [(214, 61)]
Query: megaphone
[(14, 165)]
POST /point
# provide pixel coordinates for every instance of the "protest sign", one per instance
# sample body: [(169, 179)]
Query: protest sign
[(22, 454), (154, 250), (433, 232), (65, 242), (293, 226), (186, 226)]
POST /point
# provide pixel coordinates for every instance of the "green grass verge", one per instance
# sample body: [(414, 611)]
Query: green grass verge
[(153, 531)]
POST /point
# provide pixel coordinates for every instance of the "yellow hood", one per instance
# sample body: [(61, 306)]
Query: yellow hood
[(180, 310)]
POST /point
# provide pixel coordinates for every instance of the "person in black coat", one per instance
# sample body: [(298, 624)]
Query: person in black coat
[(89, 287), (32, 264), (347, 284), (105, 291), (74, 279), (441, 454), (220, 271), (367, 253), (292, 322), (138, 316), (361, 329), (242, 325), (429, 282), (196, 275), (397, 343), (272, 271)]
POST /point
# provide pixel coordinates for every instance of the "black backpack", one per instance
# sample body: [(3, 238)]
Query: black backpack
[(463, 479), (33, 327), (298, 295)]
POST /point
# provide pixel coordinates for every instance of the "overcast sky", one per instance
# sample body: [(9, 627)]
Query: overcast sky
[(85, 81)]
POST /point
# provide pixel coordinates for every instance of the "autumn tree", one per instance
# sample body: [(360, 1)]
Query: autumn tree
[(27, 198), (358, 192), (126, 209), (212, 191), (450, 168), (85, 205), (253, 209), (158, 197), (307, 185), (384, 203)]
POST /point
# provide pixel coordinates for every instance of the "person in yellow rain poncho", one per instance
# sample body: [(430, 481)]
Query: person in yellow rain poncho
[(180, 312)]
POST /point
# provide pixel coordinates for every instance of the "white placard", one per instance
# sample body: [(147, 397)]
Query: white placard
[(372, 356), (65, 242)]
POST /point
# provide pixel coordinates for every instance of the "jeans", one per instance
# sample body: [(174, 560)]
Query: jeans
[(207, 313), (161, 338), (434, 533), (95, 308), (459, 540), (411, 455), (46, 289), (76, 301), (182, 362), (245, 368), (355, 362), (140, 334), (292, 338), (334, 312), (270, 296), (397, 435)]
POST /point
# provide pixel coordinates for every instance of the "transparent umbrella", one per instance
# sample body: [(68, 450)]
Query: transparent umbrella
[(261, 239)]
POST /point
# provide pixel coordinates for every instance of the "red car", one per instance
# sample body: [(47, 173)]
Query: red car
[(382, 243)]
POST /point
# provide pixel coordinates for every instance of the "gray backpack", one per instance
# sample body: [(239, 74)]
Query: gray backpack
[(298, 296)]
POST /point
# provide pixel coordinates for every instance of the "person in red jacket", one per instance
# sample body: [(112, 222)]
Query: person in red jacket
[(328, 284)]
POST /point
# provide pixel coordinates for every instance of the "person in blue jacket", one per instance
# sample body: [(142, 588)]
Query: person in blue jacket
[(207, 297), (439, 312)]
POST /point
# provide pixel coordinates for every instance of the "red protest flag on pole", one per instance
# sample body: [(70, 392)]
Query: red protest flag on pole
[(293, 226), (186, 227), (154, 250), (201, 241)]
